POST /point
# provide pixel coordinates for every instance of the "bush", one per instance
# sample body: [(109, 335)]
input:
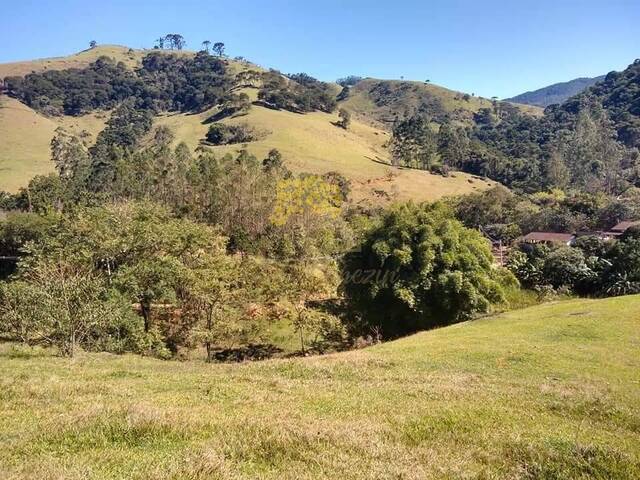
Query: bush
[(349, 81), (222, 134), (566, 267), (64, 306), (591, 267)]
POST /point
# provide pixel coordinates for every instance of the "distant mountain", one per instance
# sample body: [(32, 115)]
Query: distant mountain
[(556, 93)]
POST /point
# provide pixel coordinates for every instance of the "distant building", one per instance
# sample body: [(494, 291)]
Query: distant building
[(606, 236), (549, 238), (624, 226), (569, 239)]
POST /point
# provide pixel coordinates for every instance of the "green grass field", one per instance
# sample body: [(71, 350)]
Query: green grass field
[(549, 392)]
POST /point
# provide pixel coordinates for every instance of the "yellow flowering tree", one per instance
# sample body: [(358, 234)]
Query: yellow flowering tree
[(303, 200)]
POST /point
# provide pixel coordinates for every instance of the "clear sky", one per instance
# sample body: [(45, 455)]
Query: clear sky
[(488, 47)]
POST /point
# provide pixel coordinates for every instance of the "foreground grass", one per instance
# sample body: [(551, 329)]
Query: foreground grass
[(547, 392)]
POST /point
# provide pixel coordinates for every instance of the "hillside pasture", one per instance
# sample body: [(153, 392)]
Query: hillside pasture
[(546, 392)]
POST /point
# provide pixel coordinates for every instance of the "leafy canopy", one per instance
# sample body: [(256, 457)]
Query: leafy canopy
[(418, 269)]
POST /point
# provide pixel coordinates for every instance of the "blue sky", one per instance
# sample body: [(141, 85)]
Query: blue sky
[(489, 48)]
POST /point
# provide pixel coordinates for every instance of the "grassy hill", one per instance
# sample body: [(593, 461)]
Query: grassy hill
[(26, 137), (129, 56), (547, 392), (381, 101), (312, 143), (24, 145), (309, 143)]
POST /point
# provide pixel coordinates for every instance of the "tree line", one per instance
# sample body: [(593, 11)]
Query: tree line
[(589, 143)]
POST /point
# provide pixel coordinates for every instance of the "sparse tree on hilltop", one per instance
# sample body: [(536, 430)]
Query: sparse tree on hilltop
[(218, 48), (176, 41)]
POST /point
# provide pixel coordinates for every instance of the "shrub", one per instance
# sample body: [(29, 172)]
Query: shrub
[(60, 305), (566, 267), (222, 134)]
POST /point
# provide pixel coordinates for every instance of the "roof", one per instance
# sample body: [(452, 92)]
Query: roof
[(548, 237), (623, 226)]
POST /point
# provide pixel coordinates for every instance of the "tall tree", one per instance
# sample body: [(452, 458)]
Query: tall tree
[(453, 145), (592, 153), (176, 41), (413, 143), (557, 173), (418, 269), (69, 155)]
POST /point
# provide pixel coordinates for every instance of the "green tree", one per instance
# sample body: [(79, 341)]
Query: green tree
[(239, 196), (44, 194), (307, 282), (306, 212), (141, 251), (453, 145), (418, 269), (566, 267), (60, 304), (69, 155), (624, 276), (218, 48), (175, 40), (413, 143), (557, 173), (592, 153)]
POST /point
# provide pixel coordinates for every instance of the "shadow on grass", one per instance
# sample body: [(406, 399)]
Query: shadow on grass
[(247, 353)]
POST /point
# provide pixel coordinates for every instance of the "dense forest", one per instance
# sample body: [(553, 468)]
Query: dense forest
[(589, 143)]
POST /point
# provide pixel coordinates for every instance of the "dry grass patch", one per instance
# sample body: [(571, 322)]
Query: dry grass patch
[(311, 143)]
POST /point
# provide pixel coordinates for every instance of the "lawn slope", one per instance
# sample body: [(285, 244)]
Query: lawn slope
[(24, 144), (131, 57), (312, 143), (25, 140), (547, 392)]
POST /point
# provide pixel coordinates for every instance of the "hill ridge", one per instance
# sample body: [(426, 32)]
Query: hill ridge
[(555, 93)]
